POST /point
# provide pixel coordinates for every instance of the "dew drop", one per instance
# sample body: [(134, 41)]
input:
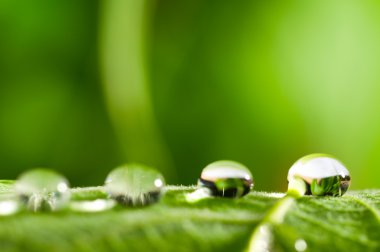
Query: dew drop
[(323, 175), (43, 190), (226, 179), (300, 245), (135, 185)]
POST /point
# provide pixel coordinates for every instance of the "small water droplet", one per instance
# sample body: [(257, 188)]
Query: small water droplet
[(322, 173), (226, 179), (43, 190), (135, 185), (300, 245)]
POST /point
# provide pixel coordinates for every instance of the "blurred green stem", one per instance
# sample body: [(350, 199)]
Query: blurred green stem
[(123, 41)]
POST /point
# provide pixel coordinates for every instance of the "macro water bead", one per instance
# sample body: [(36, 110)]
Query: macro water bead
[(43, 190), (322, 174), (226, 179), (135, 185)]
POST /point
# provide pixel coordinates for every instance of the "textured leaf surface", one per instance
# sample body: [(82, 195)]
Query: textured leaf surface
[(348, 223)]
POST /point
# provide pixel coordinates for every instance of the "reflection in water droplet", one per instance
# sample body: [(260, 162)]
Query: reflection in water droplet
[(135, 185), (92, 206), (323, 175), (226, 179), (43, 190), (300, 245), (158, 182)]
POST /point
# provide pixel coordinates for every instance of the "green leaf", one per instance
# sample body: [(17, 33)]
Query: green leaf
[(348, 223)]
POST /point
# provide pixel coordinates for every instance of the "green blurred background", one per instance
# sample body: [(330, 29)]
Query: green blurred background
[(87, 85)]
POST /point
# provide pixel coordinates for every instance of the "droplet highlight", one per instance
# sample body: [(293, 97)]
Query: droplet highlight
[(226, 179), (135, 185), (300, 245), (321, 174), (43, 190)]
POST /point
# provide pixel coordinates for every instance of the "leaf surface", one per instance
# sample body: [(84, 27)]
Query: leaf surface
[(348, 223)]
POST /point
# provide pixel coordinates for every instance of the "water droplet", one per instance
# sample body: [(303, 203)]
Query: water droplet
[(300, 245), (226, 179), (134, 184), (43, 190), (322, 173)]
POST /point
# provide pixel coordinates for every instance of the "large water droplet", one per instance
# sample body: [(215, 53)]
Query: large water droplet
[(134, 184), (43, 190), (322, 173), (226, 179)]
